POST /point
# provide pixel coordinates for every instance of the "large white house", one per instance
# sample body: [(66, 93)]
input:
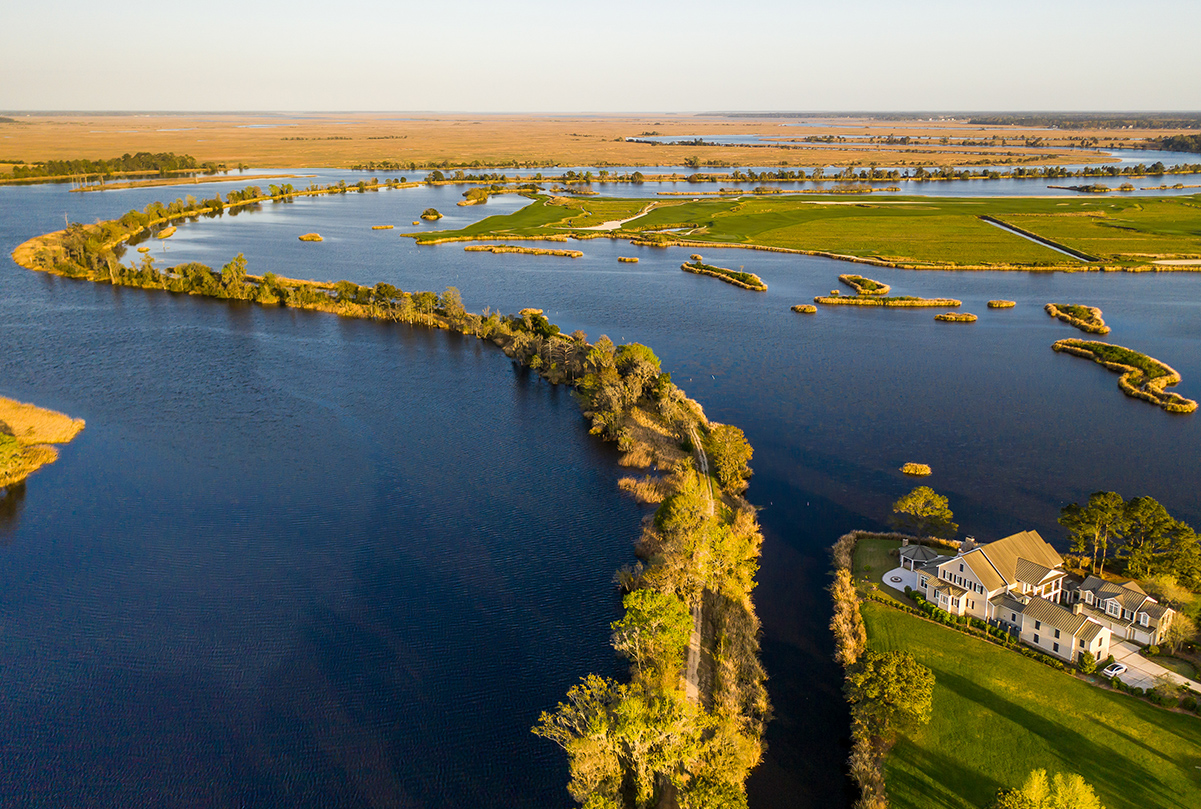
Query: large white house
[(1016, 583), (1124, 608)]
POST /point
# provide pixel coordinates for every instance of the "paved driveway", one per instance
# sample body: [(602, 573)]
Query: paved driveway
[(1142, 672)]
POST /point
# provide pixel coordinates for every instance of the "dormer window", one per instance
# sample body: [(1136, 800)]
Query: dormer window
[(1088, 596), (1112, 608), (1143, 618)]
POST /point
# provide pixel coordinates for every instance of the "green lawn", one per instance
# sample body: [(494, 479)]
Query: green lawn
[(872, 557), (999, 715), (913, 230)]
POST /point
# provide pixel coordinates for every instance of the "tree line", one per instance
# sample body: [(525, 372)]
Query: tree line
[(162, 162)]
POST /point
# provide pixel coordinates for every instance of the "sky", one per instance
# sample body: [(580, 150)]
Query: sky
[(614, 56)]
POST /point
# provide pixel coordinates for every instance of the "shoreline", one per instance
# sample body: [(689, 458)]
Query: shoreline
[(27, 436)]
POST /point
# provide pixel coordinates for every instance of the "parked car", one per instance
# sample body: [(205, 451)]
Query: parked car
[(1114, 670)]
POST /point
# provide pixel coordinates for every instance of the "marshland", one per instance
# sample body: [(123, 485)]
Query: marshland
[(746, 359)]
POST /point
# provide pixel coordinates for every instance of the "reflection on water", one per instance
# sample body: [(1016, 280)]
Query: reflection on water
[(11, 502)]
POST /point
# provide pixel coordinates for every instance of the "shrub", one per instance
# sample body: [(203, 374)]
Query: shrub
[(1152, 650)]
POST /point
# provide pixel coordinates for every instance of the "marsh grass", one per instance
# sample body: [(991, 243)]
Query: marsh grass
[(165, 233), (384, 227), (648, 490), (916, 469), (956, 317), (1142, 377), (744, 280), (905, 301), (628, 259), (25, 433), (311, 237), (1001, 304), (527, 251), (804, 309), (864, 286), (1086, 318)]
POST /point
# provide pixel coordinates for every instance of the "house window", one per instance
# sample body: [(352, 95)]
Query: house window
[(1088, 596), (960, 567), (1112, 608), (1038, 624), (1082, 643), (1057, 633), (1015, 617), (1055, 647), (924, 581), (1036, 638), (1142, 618)]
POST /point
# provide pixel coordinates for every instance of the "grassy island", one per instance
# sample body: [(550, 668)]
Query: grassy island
[(165, 233), (689, 724), (1142, 377), (901, 302), (431, 215), (956, 317), (804, 309), (1085, 318), (864, 286), (1001, 304), (628, 259), (26, 435), (908, 232), (916, 469), (311, 237), (382, 227), (744, 280), (526, 251)]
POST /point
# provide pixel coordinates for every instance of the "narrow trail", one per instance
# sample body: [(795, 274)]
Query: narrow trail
[(692, 665)]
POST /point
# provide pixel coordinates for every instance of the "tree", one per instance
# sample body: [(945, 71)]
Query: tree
[(729, 454), (924, 513), (452, 305), (885, 688), (1182, 630), (1061, 791), (1088, 663), (655, 630), (1148, 531), (1166, 590), (1092, 527)]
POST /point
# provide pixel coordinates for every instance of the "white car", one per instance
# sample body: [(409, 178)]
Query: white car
[(1114, 670)]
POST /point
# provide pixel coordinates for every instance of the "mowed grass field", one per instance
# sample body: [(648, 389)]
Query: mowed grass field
[(998, 715), (915, 231)]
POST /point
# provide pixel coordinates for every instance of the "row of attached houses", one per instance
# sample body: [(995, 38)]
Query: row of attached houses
[(1018, 583)]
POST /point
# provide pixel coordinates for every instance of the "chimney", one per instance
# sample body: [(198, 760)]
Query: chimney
[(905, 542), (1077, 608)]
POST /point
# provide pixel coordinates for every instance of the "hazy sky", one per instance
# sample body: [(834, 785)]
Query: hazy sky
[(620, 55)]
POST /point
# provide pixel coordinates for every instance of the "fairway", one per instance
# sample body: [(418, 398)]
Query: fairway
[(998, 715), (914, 232)]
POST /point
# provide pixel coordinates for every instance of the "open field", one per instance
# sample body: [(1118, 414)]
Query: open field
[(344, 139), (910, 231), (998, 715)]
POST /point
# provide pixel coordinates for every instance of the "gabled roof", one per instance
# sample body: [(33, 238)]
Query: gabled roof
[(1053, 615), (984, 570), (953, 590), (1033, 573), (1128, 594), (1090, 631), (1028, 545)]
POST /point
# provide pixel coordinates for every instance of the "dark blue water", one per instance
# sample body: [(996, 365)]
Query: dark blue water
[(196, 391)]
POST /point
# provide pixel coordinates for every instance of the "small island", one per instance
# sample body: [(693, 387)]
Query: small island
[(430, 215), (1142, 377), (744, 280), (916, 469), (1001, 304), (525, 251), (1085, 318), (383, 227), (311, 237), (165, 233), (956, 317), (805, 309), (864, 286), (26, 435), (869, 300), (627, 259)]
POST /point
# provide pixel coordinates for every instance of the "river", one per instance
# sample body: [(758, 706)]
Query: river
[(298, 560)]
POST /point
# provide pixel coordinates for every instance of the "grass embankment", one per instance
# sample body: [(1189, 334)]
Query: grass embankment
[(744, 280), (702, 706), (864, 286), (999, 715), (1142, 377), (1001, 304), (525, 251), (956, 317), (904, 301), (26, 433), (1085, 318), (909, 232)]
